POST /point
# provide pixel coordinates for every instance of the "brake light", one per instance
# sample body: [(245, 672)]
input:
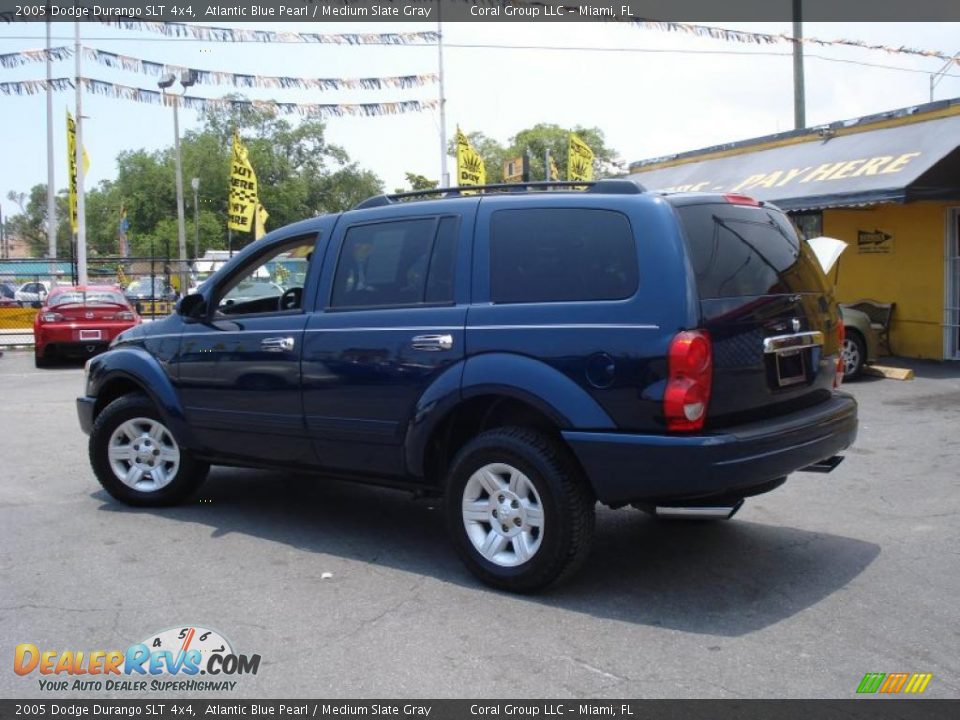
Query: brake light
[(51, 317), (841, 334), (735, 199), (125, 315), (690, 367)]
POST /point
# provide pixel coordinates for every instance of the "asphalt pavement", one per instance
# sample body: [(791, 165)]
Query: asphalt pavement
[(350, 591)]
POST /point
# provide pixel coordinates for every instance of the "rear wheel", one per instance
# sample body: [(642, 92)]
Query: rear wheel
[(137, 459), (519, 512), (39, 361), (854, 354)]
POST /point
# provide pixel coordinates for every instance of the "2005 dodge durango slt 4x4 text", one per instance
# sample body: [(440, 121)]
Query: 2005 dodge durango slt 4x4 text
[(523, 354)]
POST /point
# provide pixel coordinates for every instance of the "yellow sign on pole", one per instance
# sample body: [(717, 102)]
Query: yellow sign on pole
[(470, 167), (72, 168), (243, 188), (260, 225), (579, 160)]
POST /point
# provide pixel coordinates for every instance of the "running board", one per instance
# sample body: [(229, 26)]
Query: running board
[(824, 466), (701, 512)]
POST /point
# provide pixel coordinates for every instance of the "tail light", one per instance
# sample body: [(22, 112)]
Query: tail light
[(51, 317), (690, 362), (841, 334), (125, 315)]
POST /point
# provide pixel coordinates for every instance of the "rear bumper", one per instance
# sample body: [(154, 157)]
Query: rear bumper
[(625, 468), (85, 407)]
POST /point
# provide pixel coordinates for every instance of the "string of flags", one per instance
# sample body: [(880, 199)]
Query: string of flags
[(225, 34), (142, 95), (218, 77), (756, 38)]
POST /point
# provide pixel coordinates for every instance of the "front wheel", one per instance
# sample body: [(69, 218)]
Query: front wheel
[(137, 459), (519, 512)]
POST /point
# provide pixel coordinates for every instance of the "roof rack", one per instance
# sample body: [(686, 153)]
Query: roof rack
[(606, 187)]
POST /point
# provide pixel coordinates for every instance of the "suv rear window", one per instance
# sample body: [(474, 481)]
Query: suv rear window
[(553, 255), (740, 251)]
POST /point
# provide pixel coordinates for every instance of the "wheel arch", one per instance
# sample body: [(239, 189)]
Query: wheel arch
[(124, 371)]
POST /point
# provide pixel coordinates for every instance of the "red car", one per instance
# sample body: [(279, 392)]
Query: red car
[(80, 320)]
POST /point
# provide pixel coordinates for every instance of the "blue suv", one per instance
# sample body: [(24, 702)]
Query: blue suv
[(523, 352)]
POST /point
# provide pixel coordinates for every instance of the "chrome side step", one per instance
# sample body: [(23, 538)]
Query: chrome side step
[(694, 512), (824, 466)]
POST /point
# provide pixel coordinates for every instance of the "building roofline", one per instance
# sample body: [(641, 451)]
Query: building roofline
[(877, 121)]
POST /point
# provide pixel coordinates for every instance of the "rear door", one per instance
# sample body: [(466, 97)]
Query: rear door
[(390, 321), (767, 307)]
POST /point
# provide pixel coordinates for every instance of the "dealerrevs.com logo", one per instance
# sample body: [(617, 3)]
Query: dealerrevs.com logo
[(168, 661)]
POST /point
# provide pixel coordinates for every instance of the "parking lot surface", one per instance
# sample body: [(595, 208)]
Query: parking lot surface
[(348, 591)]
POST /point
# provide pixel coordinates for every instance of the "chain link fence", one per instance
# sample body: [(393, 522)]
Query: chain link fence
[(152, 285)]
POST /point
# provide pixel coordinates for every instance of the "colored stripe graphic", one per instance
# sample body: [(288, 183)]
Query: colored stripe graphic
[(871, 682), (918, 682), (893, 683)]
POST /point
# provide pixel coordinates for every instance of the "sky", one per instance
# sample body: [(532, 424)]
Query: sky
[(652, 93)]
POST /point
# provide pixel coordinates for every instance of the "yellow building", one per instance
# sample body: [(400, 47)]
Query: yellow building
[(887, 184)]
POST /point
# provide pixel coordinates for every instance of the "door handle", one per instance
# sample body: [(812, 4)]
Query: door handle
[(432, 343), (277, 344)]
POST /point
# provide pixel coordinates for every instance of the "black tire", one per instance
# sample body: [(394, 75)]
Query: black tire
[(566, 502), (40, 361), (188, 476), (854, 354)]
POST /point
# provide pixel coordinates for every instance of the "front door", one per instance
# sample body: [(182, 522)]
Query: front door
[(239, 369)]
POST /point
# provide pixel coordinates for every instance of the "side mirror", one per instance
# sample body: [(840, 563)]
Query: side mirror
[(192, 306)]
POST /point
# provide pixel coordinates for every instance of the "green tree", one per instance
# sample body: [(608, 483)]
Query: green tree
[(30, 224), (540, 137)]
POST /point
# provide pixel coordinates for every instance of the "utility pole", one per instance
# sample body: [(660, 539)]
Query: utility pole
[(799, 108), (51, 191), (444, 172), (936, 77), (81, 201)]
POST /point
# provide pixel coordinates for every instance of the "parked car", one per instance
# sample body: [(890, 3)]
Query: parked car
[(31, 292), (860, 341), (520, 355), (8, 295), (142, 289), (80, 320)]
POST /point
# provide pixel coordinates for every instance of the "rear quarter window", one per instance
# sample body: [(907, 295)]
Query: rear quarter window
[(566, 254)]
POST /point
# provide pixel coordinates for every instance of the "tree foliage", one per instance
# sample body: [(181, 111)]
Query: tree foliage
[(535, 141), (299, 173)]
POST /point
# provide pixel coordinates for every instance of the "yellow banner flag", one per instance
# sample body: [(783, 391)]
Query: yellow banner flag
[(243, 188), (579, 160), (260, 225), (470, 167), (72, 168)]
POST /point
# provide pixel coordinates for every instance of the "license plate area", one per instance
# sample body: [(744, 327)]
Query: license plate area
[(90, 335), (791, 367)]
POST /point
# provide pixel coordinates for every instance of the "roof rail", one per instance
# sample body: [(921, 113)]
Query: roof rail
[(607, 187)]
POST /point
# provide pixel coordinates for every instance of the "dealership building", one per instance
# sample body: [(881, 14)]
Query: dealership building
[(886, 184)]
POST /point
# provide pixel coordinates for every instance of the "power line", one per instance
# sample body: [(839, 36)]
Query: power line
[(563, 48)]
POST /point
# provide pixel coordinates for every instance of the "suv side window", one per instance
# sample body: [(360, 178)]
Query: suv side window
[(567, 254), (396, 263), (272, 283)]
